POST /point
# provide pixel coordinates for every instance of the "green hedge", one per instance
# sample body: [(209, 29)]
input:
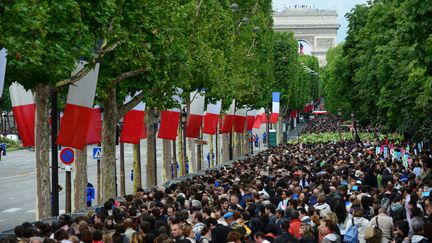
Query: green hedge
[(327, 137)]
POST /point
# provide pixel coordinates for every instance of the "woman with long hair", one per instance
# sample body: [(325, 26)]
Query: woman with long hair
[(307, 234), (342, 216)]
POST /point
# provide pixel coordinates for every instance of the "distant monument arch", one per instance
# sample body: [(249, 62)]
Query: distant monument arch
[(316, 27)]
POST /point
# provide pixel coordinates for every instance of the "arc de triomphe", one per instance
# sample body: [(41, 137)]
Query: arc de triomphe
[(316, 27)]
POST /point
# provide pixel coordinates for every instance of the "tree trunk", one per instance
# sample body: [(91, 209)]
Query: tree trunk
[(43, 198), (225, 147), (180, 153), (245, 143), (237, 145), (192, 155), (150, 119), (108, 160), (137, 181), (80, 180), (280, 128), (167, 159)]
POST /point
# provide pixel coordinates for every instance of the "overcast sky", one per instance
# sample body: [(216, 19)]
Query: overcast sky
[(342, 7)]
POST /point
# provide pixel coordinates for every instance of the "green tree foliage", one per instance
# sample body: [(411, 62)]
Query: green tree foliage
[(383, 73), (335, 90), (296, 77)]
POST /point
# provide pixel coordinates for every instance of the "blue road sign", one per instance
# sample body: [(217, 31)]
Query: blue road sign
[(67, 156), (97, 152)]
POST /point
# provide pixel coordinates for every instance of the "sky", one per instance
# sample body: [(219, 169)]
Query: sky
[(342, 7)]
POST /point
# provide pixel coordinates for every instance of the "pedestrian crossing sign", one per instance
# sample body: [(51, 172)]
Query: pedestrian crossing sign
[(97, 152)]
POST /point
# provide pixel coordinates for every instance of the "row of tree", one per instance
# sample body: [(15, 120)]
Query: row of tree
[(382, 73), (228, 49)]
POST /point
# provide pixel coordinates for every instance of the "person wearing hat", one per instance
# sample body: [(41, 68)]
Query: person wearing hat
[(233, 224)]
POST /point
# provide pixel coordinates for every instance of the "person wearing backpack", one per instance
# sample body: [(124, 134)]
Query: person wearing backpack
[(360, 225)]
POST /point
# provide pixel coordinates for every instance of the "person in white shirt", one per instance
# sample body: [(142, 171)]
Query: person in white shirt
[(322, 206), (360, 222)]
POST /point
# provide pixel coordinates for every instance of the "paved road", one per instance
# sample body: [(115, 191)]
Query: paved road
[(17, 180)]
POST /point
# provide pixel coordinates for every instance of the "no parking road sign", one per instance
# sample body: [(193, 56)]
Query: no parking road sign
[(67, 156)]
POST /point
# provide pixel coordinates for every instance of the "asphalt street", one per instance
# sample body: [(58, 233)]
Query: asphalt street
[(17, 179)]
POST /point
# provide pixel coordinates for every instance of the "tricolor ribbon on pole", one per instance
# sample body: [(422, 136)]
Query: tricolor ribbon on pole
[(194, 122), (275, 107), (78, 109), (23, 108), (211, 118)]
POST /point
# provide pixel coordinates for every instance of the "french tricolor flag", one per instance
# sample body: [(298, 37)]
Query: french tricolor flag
[(240, 120), (229, 119), (194, 122), (23, 108), (3, 60), (78, 110), (94, 134), (133, 124), (275, 107), (250, 119), (211, 118)]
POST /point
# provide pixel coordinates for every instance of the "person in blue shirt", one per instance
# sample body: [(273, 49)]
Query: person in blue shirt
[(256, 140), (264, 137), (90, 194)]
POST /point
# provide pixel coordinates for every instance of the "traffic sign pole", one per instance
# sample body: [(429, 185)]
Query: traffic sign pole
[(98, 187), (54, 157), (68, 207)]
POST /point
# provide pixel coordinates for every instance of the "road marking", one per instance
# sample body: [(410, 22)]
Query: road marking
[(11, 198), (2, 220), (31, 211), (11, 210)]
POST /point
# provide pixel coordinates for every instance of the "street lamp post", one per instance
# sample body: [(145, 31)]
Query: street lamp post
[(183, 126), (354, 127), (339, 113)]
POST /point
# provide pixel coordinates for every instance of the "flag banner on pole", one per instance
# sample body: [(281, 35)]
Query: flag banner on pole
[(3, 60), (263, 116), (23, 108), (170, 120), (169, 124), (94, 134), (228, 119), (275, 107), (250, 119), (211, 118), (78, 109), (133, 123), (194, 122), (258, 117), (240, 120)]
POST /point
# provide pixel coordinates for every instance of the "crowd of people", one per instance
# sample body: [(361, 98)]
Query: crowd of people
[(325, 192), (325, 123)]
